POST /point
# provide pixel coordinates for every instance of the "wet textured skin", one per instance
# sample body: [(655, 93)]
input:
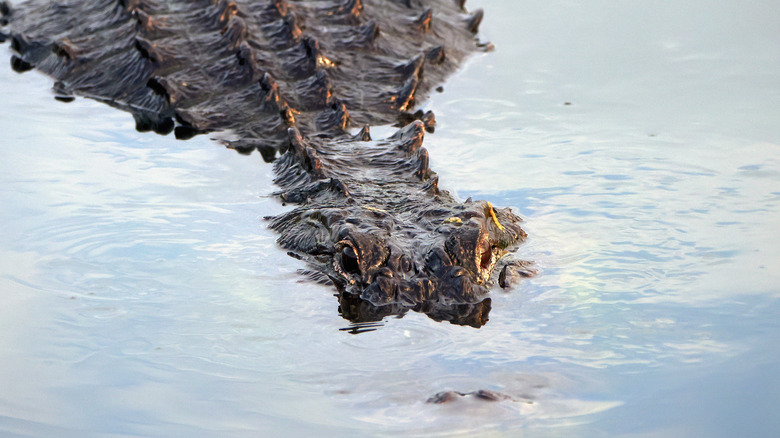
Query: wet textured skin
[(301, 81)]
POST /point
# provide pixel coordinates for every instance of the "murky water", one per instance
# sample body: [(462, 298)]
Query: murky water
[(142, 294)]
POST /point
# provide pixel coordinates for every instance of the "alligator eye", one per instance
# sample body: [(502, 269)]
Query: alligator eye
[(485, 259), (349, 260)]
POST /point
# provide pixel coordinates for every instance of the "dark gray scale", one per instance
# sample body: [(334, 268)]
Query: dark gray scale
[(301, 81)]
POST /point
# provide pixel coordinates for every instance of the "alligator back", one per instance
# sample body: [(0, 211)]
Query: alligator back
[(301, 80)]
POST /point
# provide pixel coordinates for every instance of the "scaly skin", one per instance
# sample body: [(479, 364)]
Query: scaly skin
[(297, 79)]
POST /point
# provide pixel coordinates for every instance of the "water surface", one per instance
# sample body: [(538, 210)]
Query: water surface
[(142, 294)]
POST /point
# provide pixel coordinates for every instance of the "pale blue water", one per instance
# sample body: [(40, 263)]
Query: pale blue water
[(142, 295)]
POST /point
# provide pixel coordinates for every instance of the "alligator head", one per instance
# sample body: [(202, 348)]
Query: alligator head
[(379, 227), (449, 263)]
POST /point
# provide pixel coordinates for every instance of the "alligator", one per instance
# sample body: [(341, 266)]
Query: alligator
[(302, 81)]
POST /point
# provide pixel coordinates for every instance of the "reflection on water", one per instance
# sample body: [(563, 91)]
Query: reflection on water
[(360, 312), (142, 294)]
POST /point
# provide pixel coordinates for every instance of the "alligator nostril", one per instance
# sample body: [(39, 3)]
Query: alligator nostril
[(349, 260)]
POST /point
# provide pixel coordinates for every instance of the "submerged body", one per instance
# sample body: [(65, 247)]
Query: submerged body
[(297, 79)]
